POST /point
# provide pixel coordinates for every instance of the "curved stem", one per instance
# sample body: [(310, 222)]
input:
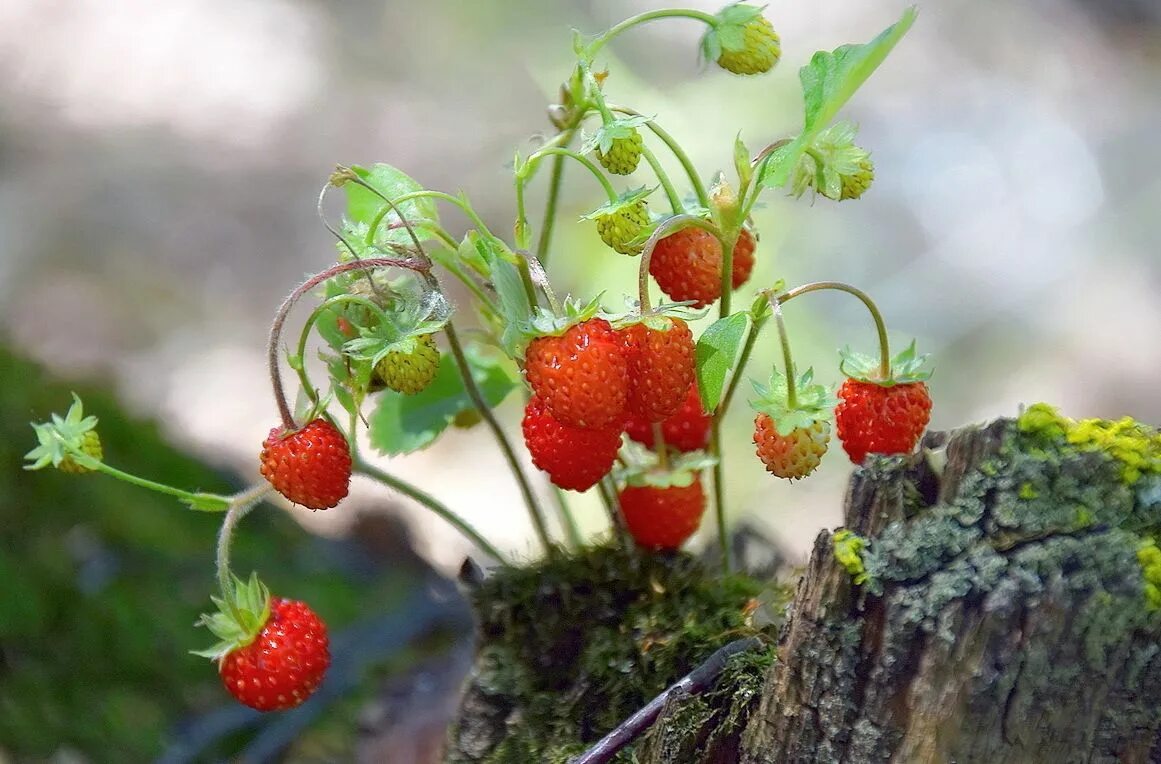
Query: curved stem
[(759, 164), (294, 296), (554, 185), (662, 177), (641, 18), (720, 494), (668, 226), (239, 508), (431, 503), (787, 362), (304, 336), (509, 455), (876, 316), (588, 163), (539, 277), (206, 502), (675, 147)]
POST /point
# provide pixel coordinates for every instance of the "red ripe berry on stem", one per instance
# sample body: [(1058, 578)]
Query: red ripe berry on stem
[(882, 416), (792, 426), (574, 458), (285, 662), (310, 466), (662, 517), (660, 365), (687, 429), (687, 265), (581, 376)]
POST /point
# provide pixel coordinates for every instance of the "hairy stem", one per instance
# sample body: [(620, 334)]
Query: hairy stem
[(678, 152), (642, 18), (554, 185), (876, 316), (668, 226)]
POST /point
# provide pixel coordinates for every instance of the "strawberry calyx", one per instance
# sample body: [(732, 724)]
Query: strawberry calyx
[(241, 614), (660, 318), (641, 467), (812, 402), (617, 128), (904, 368), (627, 200), (67, 442), (729, 33)]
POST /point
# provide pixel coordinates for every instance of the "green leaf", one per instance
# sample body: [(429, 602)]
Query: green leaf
[(716, 353), (828, 82), (363, 206), (402, 424)]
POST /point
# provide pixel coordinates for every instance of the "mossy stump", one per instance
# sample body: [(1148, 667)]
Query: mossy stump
[(1000, 607)]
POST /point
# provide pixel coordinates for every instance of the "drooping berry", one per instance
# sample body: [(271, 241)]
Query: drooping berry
[(620, 228), (574, 458), (882, 410), (284, 663), (660, 365), (794, 455), (687, 429), (624, 153), (792, 427), (412, 367), (687, 265), (581, 375), (662, 517), (310, 466), (758, 51)]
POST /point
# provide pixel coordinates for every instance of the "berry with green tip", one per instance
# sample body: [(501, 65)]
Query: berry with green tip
[(687, 265), (310, 466), (758, 51), (410, 368), (687, 429), (284, 663), (624, 153), (660, 354), (61, 437), (662, 517), (574, 458), (620, 228), (879, 414), (794, 455), (582, 375)]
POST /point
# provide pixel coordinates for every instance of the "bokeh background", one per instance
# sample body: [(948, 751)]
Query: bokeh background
[(159, 164)]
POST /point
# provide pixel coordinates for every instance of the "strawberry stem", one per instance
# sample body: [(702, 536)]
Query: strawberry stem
[(876, 316), (608, 492), (563, 152), (539, 277), (430, 502), (485, 411), (641, 18), (567, 520), (659, 446), (720, 493), (554, 184), (678, 152), (784, 340), (667, 226), (272, 343), (240, 506), (663, 178)]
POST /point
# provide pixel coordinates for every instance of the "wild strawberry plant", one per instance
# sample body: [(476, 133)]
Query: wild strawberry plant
[(628, 402)]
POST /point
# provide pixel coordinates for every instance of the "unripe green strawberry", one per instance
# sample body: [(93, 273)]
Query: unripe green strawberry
[(410, 370), (794, 455), (854, 184), (91, 446), (759, 52), (623, 155), (618, 229)]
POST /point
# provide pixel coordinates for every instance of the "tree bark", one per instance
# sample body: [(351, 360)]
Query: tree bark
[(1002, 619)]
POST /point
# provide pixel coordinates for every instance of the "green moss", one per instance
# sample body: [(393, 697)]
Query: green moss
[(848, 549), (576, 644), (1028, 491), (1137, 447), (1149, 556)]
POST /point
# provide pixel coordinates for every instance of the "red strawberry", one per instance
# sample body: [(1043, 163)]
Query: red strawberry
[(687, 429), (663, 517), (310, 466), (284, 663), (574, 458), (582, 375), (687, 265), (660, 367), (882, 416)]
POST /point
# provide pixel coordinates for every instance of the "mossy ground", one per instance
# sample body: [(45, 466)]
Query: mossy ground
[(576, 644)]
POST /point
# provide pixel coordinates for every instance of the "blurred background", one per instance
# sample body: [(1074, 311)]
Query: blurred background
[(159, 164)]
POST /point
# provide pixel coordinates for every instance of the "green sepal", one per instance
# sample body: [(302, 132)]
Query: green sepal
[(730, 31), (62, 438), (659, 317), (813, 402), (905, 367), (241, 614), (397, 331), (619, 127), (841, 158), (544, 323), (363, 206), (642, 468), (742, 165), (627, 199)]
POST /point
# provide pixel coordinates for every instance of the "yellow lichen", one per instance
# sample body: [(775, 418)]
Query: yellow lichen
[(1149, 556), (848, 549), (1136, 446)]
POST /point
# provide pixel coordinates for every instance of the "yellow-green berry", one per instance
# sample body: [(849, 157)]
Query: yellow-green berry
[(91, 446), (760, 51), (411, 370), (619, 229), (856, 183), (623, 155)]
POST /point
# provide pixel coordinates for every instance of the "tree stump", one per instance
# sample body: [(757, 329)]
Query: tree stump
[(996, 612)]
